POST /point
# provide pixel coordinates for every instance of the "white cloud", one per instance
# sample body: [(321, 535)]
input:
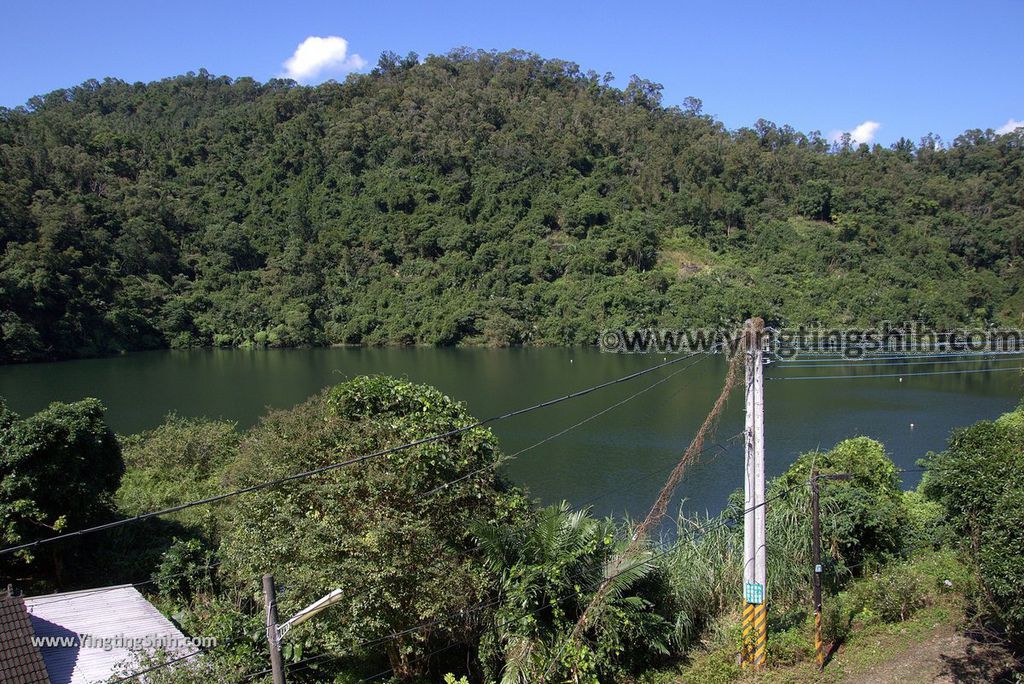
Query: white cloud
[(865, 132), (1010, 126), (317, 55), (861, 133)]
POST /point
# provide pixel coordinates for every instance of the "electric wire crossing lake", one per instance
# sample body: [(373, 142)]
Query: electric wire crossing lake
[(586, 464)]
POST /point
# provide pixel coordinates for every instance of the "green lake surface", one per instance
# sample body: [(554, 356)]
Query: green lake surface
[(615, 463)]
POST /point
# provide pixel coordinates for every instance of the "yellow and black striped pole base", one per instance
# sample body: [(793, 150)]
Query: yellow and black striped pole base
[(819, 645), (755, 635), (747, 640)]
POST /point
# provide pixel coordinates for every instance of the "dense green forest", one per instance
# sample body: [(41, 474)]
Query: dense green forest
[(473, 198)]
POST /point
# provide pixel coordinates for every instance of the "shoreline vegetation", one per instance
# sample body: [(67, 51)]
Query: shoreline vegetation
[(474, 198), (487, 583), (463, 344)]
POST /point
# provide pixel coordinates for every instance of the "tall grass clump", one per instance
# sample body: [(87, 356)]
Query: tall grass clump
[(861, 527)]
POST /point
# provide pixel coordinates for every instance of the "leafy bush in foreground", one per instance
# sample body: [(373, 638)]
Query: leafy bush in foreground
[(547, 571), (979, 481), (401, 552), (58, 472), (864, 519)]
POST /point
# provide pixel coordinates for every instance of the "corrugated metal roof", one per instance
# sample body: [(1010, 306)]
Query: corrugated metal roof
[(111, 613)]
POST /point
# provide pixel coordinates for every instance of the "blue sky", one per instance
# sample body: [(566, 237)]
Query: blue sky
[(883, 69)]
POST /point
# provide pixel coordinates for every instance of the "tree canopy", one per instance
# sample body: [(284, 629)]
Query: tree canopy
[(59, 469), (400, 551), (472, 197)]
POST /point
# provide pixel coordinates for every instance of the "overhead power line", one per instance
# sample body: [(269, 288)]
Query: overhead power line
[(545, 440), (892, 375), (422, 625), (210, 566), (59, 598), (889, 363), (345, 463), (884, 356)]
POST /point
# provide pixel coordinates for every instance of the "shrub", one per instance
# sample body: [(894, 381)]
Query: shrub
[(863, 519), (927, 527), (895, 593), (185, 569), (400, 554), (58, 471), (944, 572), (715, 668), (979, 482), (837, 616), (790, 646), (181, 460)]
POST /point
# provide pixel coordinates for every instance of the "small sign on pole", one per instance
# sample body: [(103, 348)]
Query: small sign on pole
[(753, 592)]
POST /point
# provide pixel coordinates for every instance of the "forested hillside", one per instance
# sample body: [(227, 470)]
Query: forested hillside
[(472, 198)]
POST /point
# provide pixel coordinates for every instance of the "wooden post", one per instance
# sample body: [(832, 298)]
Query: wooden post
[(270, 597), (819, 646), (755, 622)]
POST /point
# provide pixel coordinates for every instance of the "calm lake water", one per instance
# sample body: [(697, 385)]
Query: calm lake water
[(615, 463)]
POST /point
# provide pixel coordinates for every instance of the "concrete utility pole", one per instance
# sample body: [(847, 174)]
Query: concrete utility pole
[(819, 646), (755, 616), (270, 596)]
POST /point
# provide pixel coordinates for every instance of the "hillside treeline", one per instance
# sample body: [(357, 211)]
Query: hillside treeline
[(473, 198)]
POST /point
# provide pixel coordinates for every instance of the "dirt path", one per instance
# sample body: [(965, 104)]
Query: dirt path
[(944, 657)]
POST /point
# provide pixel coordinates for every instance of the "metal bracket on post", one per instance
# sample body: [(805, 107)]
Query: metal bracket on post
[(273, 635), (277, 632)]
